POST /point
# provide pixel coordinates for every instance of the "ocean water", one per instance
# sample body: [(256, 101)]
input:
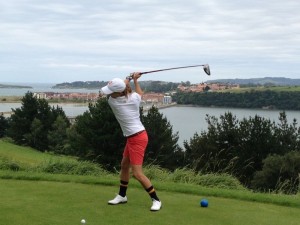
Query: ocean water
[(188, 120), (70, 109), (38, 87)]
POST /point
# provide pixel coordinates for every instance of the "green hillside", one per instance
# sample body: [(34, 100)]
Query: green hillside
[(24, 155), (278, 81), (262, 88)]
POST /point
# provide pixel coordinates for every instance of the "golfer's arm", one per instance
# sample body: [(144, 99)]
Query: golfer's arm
[(138, 87)]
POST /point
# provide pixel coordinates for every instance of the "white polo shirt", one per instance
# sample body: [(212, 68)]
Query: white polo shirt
[(127, 112)]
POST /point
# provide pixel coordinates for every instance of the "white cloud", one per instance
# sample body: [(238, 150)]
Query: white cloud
[(85, 38)]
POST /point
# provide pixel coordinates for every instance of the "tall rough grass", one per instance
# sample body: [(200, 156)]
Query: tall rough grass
[(285, 186), (70, 167), (188, 176), (7, 164), (154, 172), (55, 166)]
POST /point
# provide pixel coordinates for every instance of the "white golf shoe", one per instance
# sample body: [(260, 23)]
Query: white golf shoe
[(118, 200), (156, 205)]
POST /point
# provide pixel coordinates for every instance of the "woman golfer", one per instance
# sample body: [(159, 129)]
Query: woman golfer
[(125, 105)]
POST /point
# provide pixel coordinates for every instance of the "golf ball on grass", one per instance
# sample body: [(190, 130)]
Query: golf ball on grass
[(204, 203), (83, 221)]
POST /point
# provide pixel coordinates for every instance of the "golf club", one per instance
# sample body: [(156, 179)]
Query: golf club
[(205, 68)]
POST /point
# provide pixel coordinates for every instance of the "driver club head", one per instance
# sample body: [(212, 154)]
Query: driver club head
[(206, 69)]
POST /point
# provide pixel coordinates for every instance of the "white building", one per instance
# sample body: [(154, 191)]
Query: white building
[(40, 95), (167, 100)]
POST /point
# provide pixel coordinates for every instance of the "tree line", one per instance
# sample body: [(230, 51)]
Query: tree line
[(253, 99), (147, 86), (263, 155)]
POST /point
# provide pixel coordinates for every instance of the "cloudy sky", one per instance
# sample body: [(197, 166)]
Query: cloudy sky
[(64, 41)]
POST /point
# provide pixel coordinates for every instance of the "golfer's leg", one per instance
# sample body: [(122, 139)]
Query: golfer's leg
[(124, 176), (140, 176), (125, 169), (138, 173), (124, 179)]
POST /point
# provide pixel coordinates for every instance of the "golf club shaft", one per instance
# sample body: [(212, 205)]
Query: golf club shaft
[(205, 67), (175, 68)]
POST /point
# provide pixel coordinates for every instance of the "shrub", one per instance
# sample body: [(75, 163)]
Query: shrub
[(279, 174), (6, 164), (224, 181), (184, 175)]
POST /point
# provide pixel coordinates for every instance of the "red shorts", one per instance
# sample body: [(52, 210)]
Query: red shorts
[(135, 148)]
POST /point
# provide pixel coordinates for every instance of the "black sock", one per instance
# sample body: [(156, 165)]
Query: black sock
[(151, 191), (123, 188)]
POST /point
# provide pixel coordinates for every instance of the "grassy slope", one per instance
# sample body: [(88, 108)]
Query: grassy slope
[(25, 155), (66, 199)]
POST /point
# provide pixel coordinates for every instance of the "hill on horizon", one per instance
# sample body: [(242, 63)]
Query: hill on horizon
[(281, 81), (278, 81)]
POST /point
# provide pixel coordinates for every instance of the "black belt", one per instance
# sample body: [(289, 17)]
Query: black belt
[(135, 134)]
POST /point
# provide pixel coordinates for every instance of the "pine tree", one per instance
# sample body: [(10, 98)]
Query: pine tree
[(57, 137), (31, 123), (3, 125), (162, 148), (97, 136), (22, 118)]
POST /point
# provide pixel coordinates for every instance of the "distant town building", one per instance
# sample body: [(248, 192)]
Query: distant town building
[(153, 98), (40, 95), (66, 95), (167, 100), (207, 87), (148, 98)]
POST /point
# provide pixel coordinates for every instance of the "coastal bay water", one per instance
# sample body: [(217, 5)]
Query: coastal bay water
[(69, 108), (39, 87), (188, 120)]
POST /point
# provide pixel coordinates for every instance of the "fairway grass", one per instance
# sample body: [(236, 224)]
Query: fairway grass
[(32, 197), (54, 203)]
